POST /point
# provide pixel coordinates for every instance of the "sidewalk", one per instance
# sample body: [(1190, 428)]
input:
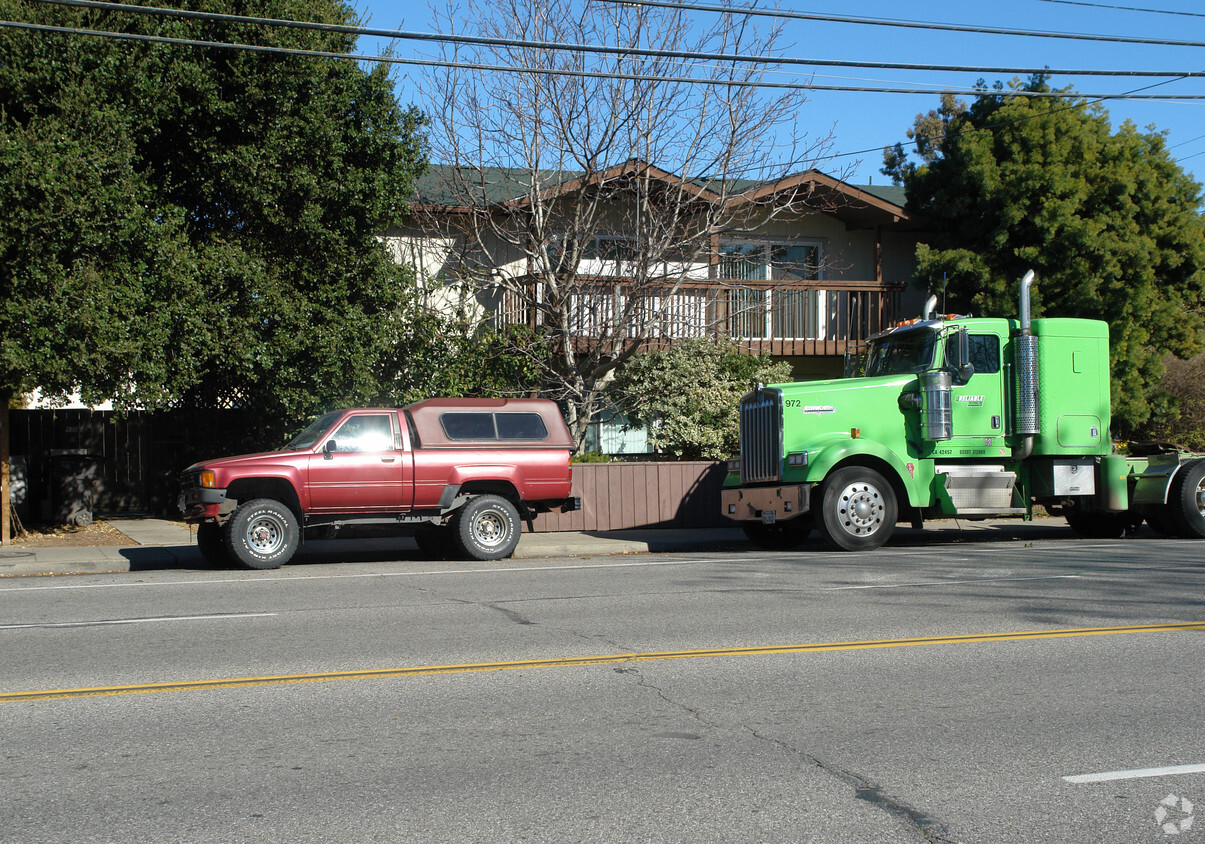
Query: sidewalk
[(159, 545)]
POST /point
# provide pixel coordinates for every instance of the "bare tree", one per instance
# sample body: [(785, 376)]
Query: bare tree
[(586, 190)]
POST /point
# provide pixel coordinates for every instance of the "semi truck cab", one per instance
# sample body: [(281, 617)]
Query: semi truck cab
[(955, 416)]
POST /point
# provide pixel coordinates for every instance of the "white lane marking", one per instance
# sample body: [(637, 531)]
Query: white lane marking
[(307, 577), (138, 620), (1137, 773), (950, 582)]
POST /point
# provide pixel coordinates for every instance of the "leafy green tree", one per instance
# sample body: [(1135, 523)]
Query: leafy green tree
[(1111, 224), (689, 395), (195, 225)]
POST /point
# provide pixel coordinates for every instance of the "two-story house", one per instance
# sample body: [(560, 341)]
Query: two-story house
[(804, 268)]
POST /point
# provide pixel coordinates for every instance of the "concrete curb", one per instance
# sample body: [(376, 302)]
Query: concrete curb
[(162, 545)]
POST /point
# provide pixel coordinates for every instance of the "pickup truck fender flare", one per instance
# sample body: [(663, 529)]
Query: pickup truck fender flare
[(505, 479), (826, 456), (276, 477)]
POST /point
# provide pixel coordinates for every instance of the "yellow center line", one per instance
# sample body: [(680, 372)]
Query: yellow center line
[(604, 659)]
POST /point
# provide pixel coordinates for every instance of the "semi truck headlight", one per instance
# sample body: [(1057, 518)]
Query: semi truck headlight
[(797, 458), (207, 479), (734, 465)]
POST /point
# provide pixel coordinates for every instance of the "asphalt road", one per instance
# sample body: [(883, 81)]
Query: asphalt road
[(1012, 691)]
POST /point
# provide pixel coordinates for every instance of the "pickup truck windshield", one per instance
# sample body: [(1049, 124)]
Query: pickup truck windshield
[(311, 435), (905, 352)]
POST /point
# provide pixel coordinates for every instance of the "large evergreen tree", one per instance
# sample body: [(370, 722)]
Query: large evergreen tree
[(192, 220), (198, 224), (1109, 221)]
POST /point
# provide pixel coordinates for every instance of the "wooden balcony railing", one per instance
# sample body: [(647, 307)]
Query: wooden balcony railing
[(781, 318)]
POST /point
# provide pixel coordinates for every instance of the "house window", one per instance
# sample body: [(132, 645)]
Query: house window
[(772, 310)]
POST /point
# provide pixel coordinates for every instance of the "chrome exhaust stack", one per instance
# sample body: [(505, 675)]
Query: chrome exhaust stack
[(1026, 421)]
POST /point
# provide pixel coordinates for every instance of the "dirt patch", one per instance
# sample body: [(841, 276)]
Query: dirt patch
[(69, 536)]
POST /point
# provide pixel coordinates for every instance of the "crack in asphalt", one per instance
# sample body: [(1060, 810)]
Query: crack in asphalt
[(929, 827)]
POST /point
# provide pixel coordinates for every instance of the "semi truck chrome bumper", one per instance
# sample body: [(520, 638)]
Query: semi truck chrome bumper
[(766, 504)]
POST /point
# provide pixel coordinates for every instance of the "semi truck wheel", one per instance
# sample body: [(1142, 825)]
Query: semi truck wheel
[(780, 536), (486, 528), (211, 543), (857, 509), (262, 534), (1186, 500)]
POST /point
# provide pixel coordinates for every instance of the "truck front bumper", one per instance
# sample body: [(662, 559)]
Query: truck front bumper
[(766, 504), (201, 502)]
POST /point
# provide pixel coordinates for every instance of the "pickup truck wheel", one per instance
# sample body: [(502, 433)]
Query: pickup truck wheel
[(780, 536), (211, 542), (487, 528), (1186, 500), (857, 509), (262, 534)]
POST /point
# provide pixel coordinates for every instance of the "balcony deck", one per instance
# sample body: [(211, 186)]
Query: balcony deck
[(796, 318)]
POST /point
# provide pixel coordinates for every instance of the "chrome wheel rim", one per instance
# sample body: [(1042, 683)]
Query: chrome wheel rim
[(266, 534), (1201, 497), (860, 509), (490, 528)]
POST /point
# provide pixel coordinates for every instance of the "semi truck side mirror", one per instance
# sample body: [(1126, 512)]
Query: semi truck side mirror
[(958, 356)]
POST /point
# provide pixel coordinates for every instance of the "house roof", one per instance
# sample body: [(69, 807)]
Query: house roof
[(460, 188)]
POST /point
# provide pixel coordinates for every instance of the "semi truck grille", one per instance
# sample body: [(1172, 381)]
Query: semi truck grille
[(761, 436)]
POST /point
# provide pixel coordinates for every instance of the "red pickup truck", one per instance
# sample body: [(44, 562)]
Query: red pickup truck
[(461, 472)]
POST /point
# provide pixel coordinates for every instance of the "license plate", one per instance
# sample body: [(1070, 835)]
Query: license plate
[(768, 517)]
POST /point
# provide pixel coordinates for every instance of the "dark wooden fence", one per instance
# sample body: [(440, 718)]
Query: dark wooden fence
[(617, 496), (68, 459)]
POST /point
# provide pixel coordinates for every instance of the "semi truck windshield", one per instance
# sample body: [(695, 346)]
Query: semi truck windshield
[(906, 352)]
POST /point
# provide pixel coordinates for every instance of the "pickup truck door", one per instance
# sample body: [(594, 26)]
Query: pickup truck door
[(362, 467)]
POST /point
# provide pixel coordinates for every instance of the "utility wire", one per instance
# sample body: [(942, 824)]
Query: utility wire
[(787, 14), (1124, 8), (601, 49), (586, 74)]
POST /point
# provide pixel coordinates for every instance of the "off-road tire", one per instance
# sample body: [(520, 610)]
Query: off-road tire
[(262, 534), (856, 509), (486, 528)]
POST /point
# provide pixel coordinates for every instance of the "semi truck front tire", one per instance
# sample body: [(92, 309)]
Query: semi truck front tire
[(857, 509)]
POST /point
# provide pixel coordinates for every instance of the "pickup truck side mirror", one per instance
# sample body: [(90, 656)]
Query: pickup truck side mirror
[(329, 448), (958, 357)]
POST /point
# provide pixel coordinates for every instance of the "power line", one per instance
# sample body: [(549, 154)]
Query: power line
[(588, 74), (1124, 8), (602, 49), (787, 14)]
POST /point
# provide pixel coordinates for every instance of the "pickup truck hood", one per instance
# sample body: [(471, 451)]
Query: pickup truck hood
[(249, 459)]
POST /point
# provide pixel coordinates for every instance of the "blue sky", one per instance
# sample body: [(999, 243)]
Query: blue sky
[(864, 121)]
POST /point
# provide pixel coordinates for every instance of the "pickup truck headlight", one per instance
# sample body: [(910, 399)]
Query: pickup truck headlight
[(207, 479)]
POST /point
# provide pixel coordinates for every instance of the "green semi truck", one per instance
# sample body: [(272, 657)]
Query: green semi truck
[(962, 417)]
